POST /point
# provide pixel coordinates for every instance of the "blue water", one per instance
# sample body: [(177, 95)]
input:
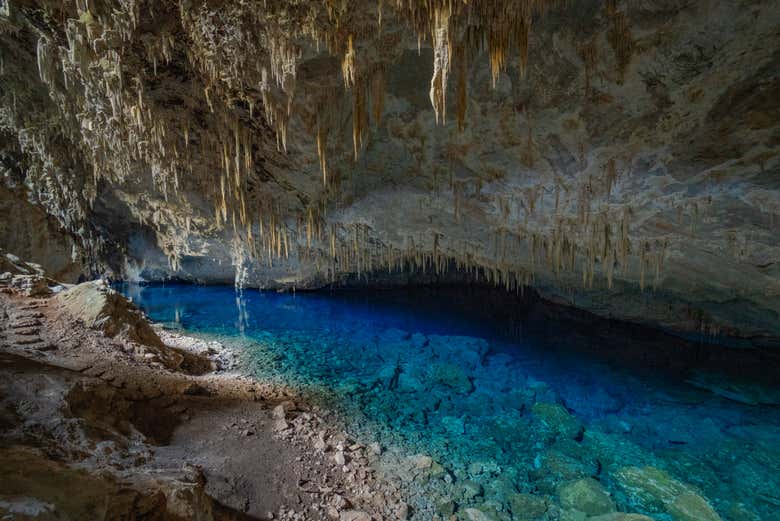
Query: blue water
[(460, 375)]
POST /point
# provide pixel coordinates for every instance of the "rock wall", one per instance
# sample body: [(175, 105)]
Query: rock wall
[(618, 155), (30, 233)]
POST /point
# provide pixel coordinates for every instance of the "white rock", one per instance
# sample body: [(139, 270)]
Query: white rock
[(354, 515), (339, 458)]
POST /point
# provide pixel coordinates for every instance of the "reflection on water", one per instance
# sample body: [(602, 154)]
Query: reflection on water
[(518, 406)]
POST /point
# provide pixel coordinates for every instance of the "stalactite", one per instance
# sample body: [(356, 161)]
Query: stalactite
[(589, 54), (619, 37), (523, 43), (462, 88), (359, 117), (321, 147), (610, 175), (348, 65), (377, 94), (442, 49)]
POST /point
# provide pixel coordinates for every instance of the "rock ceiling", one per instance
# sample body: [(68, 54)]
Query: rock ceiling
[(619, 155)]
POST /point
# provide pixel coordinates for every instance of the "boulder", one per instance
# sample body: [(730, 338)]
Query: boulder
[(586, 495), (452, 376), (354, 515), (650, 489), (692, 507), (478, 514), (100, 307), (470, 489), (558, 420), (527, 507), (446, 508)]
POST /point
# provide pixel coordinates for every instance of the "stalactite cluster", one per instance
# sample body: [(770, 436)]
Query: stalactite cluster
[(104, 69)]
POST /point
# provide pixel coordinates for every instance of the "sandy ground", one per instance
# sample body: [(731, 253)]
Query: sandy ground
[(93, 427)]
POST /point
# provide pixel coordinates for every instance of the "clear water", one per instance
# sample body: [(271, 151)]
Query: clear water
[(460, 376)]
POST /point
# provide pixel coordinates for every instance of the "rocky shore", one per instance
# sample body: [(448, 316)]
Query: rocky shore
[(96, 425)]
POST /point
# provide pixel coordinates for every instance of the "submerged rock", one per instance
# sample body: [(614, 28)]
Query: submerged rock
[(692, 507), (556, 467), (650, 489), (453, 377), (558, 420), (586, 495), (527, 507), (470, 489)]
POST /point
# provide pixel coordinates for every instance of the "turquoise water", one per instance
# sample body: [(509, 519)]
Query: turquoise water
[(517, 403)]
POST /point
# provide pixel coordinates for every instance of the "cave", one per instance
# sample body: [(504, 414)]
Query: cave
[(368, 260)]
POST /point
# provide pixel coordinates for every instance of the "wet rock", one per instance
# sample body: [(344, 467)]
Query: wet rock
[(586, 495), (692, 507), (650, 489), (527, 507), (558, 420)]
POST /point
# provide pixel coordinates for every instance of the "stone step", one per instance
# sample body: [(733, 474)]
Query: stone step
[(26, 316), (26, 323), (34, 331), (27, 341)]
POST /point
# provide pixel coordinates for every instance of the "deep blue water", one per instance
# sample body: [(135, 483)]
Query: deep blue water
[(459, 375)]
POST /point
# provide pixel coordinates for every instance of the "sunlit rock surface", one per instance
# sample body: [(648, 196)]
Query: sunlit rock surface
[(618, 155)]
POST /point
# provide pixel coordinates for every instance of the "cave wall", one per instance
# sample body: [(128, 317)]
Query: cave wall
[(619, 156), (28, 232)]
